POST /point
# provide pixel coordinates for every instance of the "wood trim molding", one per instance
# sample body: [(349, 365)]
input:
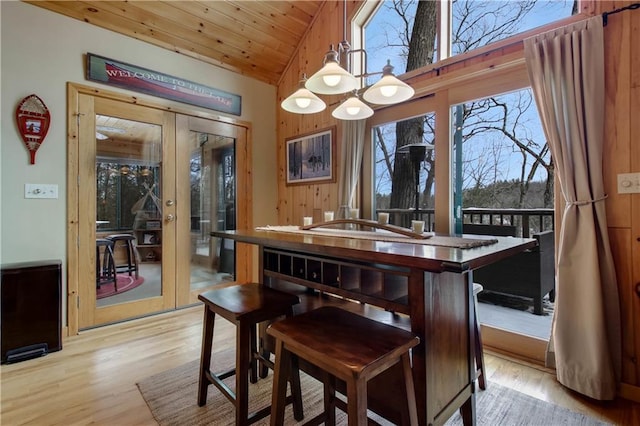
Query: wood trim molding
[(530, 349)]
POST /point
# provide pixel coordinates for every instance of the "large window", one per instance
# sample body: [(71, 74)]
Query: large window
[(502, 137), (391, 33)]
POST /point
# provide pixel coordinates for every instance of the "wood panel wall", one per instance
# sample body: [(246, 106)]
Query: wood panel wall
[(297, 201), (621, 154)]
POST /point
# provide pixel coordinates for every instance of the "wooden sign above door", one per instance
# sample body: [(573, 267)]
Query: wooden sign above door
[(115, 73)]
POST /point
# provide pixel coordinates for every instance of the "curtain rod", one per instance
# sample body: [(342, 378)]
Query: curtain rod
[(605, 15)]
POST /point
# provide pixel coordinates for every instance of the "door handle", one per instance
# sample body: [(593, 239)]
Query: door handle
[(170, 203), (170, 218)]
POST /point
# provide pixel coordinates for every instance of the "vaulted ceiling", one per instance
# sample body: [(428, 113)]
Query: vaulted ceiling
[(253, 38)]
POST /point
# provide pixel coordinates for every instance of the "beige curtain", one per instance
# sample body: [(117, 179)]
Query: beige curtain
[(352, 148), (566, 69)]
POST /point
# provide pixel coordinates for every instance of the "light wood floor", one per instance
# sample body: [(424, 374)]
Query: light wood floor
[(93, 379)]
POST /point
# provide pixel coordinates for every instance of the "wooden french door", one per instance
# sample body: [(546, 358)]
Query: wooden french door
[(117, 142), (163, 180), (213, 193)]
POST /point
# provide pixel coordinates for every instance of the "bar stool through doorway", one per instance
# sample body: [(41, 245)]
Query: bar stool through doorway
[(105, 266), (127, 241)]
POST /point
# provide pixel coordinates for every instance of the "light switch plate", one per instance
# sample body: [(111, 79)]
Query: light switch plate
[(629, 183), (40, 190)]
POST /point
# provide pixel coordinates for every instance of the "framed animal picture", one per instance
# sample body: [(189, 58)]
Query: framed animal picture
[(311, 158)]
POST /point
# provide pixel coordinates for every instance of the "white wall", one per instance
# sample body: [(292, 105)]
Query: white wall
[(40, 52)]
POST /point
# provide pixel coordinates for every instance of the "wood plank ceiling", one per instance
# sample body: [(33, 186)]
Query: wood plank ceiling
[(253, 38)]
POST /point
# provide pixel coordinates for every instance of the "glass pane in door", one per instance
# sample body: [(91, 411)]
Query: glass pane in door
[(128, 210), (213, 207)]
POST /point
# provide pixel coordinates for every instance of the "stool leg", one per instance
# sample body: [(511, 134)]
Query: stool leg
[(111, 266), (281, 372), (136, 267), (411, 393), (243, 362), (128, 248), (357, 402), (253, 362), (329, 398), (482, 381), (205, 356), (263, 368), (296, 389), (98, 269)]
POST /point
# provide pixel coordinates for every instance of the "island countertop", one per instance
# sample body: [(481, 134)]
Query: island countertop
[(410, 253)]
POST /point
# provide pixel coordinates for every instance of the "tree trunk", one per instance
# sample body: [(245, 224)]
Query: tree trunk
[(421, 48)]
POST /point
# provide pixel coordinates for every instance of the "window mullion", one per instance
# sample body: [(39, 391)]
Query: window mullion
[(444, 29)]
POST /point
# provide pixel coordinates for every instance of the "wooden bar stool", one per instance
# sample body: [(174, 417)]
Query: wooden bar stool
[(482, 380), (346, 346), (244, 305)]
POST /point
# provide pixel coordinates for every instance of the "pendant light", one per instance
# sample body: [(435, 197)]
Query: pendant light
[(352, 109), (389, 90), (303, 101), (332, 79)]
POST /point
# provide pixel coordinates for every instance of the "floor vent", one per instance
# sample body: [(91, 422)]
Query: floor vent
[(27, 352)]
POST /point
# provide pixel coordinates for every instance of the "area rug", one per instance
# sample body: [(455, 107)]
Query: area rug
[(125, 283), (171, 397)]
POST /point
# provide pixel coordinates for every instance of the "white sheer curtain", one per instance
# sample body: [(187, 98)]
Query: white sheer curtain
[(566, 69), (352, 149)]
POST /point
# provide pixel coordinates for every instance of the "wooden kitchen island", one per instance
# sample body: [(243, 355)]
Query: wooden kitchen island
[(419, 286)]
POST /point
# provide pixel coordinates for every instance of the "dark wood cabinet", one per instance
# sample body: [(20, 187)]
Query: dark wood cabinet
[(31, 309)]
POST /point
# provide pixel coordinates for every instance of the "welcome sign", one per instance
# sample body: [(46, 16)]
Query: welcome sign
[(127, 76)]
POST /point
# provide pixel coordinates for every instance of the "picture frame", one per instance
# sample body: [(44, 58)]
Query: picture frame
[(311, 158)]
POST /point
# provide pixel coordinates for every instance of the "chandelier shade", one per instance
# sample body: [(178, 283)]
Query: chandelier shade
[(303, 101), (389, 89), (332, 79), (352, 109)]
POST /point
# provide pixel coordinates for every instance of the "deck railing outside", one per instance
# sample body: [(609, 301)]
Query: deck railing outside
[(526, 221)]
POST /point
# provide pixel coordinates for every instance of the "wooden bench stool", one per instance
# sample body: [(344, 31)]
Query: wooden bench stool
[(244, 305), (346, 346), (482, 380)]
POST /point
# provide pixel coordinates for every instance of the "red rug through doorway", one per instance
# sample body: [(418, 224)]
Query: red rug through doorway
[(125, 283)]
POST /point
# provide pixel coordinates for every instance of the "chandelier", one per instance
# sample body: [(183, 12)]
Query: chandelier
[(335, 78)]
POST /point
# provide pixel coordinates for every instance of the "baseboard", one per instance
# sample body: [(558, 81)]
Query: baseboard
[(533, 351), (526, 348)]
